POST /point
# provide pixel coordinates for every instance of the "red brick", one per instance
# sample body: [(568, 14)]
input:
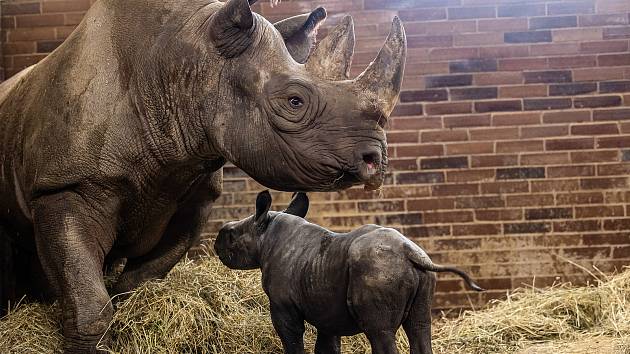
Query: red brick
[(598, 47), (444, 217), (419, 150), (530, 200), (453, 53), (493, 160), (613, 142), (494, 133), (519, 118), (522, 91), (569, 144), (602, 20), (18, 48), (597, 74), (564, 185), (502, 25), (594, 156), (448, 108), (587, 252), (444, 135), (498, 214), (519, 146), (470, 175), (600, 211), (618, 238), (476, 229), (613, 169), (469, 148), (498, 78), (402, 164), (567, 117), (430, 204), (570, 171), (479, 202), (402, 137), (65, 5), (595, 129), (455, 189), (613, 59), (554, 49), (427, 231), (415, 123), (512, 51), (44, 20), (575, 198), (31, 34), (544, 131), (548, 158), (604, 183), (577, 225), (618, 224), (504, 187), (577, 34), (468, 120), (20, 8)]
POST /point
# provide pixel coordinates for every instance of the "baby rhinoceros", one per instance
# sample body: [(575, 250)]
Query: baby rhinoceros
[(370, 280)]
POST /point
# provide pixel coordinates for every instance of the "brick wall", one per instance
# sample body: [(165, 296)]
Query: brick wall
[(510, 148)]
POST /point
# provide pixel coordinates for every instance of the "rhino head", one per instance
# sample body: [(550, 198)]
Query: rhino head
[(294, 126), (287, 114)]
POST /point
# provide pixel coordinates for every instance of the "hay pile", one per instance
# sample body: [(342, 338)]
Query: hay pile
[(204, 307)]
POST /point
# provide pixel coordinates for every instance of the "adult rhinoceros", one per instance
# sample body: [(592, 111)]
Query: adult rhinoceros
[(112, 146)]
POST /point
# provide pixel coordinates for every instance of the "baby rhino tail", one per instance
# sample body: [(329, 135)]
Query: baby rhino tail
[(421, 260)]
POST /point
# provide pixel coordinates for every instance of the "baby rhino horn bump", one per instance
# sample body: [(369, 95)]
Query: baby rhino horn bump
[(381, 81), (332, 57)]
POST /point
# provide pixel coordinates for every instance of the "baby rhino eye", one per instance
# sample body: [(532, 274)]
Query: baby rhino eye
[(295, 102)]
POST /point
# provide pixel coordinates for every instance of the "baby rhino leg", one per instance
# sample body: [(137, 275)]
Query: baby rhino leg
[(327, 344), (417, 325), (378, 297)]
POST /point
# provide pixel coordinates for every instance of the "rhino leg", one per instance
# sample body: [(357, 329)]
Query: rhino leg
[(183, 231), (290, 328), (72, 234), (327, 344), (417, 325), (7, 275), (382, 342)]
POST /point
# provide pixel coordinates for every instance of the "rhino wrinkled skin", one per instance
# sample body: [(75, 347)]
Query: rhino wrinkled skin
[(112, 147), (371, 280)]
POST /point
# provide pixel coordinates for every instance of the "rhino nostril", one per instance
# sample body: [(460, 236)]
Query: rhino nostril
[(371, 160)]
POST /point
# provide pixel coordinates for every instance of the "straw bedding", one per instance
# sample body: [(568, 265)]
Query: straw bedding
[(203, 307)]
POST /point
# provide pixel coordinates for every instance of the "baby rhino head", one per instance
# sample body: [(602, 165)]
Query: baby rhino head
[(238, 242)]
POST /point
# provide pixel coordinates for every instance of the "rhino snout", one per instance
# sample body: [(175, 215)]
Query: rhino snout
[(370, 166)]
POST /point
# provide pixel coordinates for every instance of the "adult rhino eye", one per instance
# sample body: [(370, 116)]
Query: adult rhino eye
[(296, 102)]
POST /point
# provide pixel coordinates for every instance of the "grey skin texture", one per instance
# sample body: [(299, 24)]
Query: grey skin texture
[(371, 280), (112, 147)]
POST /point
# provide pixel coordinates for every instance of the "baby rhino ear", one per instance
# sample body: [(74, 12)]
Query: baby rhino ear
[(263, 203), (299, 205)]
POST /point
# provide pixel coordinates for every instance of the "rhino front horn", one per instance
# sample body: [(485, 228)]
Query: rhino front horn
[(382, 80), (332, 57)]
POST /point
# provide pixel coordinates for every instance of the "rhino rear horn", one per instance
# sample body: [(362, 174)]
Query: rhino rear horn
[(231, 28), (300, 32), (332, 57), (380, 83)]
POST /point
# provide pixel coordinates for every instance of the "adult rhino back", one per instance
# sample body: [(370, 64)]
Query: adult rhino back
[(112, 146)]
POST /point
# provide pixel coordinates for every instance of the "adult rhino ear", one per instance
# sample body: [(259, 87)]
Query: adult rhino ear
[(332, 57), (231, 28), (263, 203), (300, 33), (299, 205)]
